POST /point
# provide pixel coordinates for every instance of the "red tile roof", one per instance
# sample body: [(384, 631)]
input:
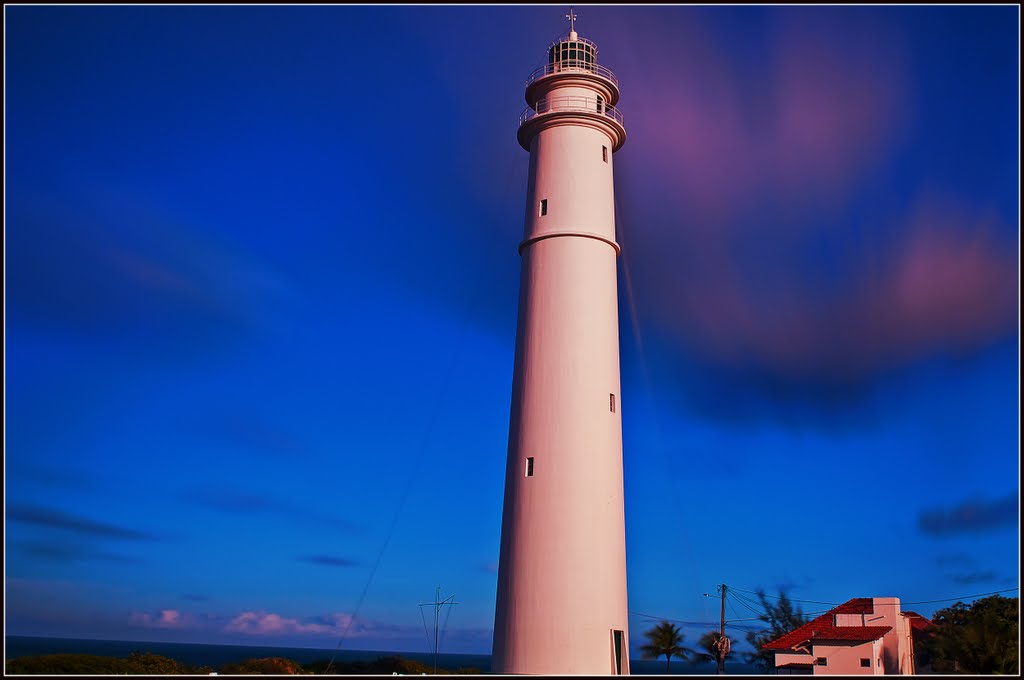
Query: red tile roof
[(861, 633), (917, 622), (858, 605)]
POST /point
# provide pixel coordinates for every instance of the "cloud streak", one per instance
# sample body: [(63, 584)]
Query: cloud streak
[(327, 560), (971, 516), (132, 275), (55, 552), (55, 519), (247, 502), (973, 578)]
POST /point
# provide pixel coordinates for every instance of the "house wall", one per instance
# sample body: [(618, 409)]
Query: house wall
[(897, 649), (849, 619), (782, 658), (844, 659), (892, 654)]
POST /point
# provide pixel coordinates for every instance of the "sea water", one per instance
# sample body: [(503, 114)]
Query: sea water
[(215, 656)]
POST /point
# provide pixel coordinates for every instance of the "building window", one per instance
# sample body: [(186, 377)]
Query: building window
[(879, 661), (529, 466), (617, 650), (611, 402), (600, 104), (821, 661), (543, 207), (604, 153), (865, 663)]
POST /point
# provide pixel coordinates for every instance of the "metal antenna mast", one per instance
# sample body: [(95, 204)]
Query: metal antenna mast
[(437, 604)]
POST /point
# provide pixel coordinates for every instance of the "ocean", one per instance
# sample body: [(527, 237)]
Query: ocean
[(217, 655)]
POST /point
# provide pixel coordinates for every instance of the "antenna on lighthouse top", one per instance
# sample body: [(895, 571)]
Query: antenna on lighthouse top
[(571, 16)]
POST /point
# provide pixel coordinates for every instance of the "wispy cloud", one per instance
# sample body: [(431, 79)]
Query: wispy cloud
[(125, 267), (327, 560), (973, 578), (248, 502), (165, 618), (55, 519), (57, 552), (972, 516)]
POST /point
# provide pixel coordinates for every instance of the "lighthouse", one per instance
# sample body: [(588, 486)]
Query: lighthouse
[(561, 601)]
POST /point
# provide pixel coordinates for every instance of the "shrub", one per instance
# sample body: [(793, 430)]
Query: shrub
[(269, 666)]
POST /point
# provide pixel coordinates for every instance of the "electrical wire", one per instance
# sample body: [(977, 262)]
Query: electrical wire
[(435, 415), (836, 604), (808, 615)]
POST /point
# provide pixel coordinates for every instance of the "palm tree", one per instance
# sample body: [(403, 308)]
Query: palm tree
[(666, 639)]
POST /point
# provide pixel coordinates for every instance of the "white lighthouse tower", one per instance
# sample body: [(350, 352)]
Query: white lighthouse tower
[(561, 602)]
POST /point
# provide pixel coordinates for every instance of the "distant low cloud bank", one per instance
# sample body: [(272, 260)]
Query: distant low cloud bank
[(971, 516)]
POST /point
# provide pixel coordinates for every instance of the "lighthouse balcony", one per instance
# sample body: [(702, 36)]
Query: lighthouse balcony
[(571, 104), (593, 112), (586, 65)]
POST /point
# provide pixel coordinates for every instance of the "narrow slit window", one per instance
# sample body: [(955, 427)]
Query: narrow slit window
[(617, 645), (543, 207), (611, 403), (604, 153), (529, 466), (600, 104)]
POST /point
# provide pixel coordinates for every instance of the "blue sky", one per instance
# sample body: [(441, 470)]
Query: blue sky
[(261, 286)]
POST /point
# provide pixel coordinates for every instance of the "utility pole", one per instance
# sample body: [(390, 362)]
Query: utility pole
[(437, 604), (722, 644)]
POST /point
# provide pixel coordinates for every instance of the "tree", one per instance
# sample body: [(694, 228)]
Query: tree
[(781, 619), (666, 639), (708, 643), (68, 664), (268, 666), (980, 639), (148, 663)]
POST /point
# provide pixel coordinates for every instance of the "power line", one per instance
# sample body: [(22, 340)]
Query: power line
[(779, 597), (836, 604), (964, 597), (435, 415), (748, 604), (671, 620), (753, 607)]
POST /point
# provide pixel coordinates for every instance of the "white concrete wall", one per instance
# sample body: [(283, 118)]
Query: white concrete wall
[(562, 571)]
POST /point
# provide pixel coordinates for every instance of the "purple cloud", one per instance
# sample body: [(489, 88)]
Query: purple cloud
[(972, 516)]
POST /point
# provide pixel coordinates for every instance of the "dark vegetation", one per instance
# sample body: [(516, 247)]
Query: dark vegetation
[(665, 639), (147, 663), (137, 663), (781, 618), (980, 639)]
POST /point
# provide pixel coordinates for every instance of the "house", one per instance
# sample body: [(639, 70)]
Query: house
[(865, 636)]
